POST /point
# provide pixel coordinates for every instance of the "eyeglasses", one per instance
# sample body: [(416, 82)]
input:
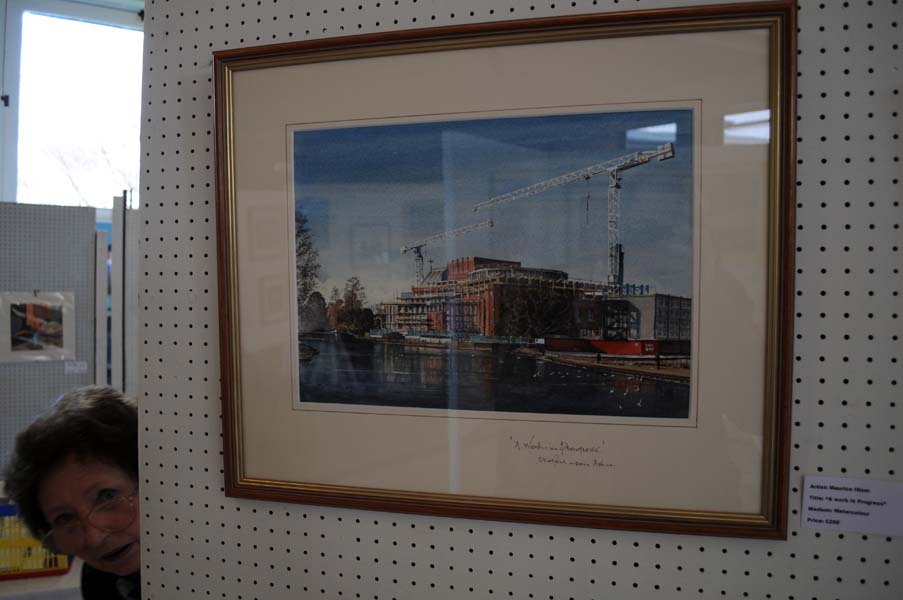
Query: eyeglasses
[(115, 513)]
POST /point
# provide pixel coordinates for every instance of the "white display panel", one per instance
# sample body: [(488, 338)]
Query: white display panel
[(45, 249), (198, 543)]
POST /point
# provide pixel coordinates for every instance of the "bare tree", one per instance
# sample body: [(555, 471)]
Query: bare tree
[(350, 311), (312, 315), (354, 297), (307, 259)]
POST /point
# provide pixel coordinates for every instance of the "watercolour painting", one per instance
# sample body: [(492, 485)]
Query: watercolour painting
[(487, 271), (515, 264)]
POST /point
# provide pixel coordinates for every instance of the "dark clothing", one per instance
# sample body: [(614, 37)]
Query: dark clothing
[(99, 585)]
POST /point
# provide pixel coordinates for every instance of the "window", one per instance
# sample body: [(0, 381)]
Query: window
[(72, 76)]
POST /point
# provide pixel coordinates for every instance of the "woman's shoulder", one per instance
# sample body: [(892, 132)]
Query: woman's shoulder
[(100, 585)]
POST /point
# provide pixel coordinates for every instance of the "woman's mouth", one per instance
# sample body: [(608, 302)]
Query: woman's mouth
[(117, 553)]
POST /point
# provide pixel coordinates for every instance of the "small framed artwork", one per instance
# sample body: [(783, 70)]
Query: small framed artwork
[(37, 326), (530, 270)]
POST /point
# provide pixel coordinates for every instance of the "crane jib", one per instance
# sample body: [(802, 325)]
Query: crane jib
[(613, 167), (621, 163)]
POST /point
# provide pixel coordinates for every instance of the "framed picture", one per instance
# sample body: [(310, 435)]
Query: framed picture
[(37, 326), (532, 270)]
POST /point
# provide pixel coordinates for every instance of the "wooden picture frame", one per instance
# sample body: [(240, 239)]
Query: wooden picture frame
[(536, 369)]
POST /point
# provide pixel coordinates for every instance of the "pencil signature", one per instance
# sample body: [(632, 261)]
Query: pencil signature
[(562, 452)]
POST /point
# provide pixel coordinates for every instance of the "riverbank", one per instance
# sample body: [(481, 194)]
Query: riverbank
[(639, 366), (623, 367), (505, 378)]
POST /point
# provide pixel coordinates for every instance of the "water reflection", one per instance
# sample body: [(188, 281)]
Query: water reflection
[(406, 376)]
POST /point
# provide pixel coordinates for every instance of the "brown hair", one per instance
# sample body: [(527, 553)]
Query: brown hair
[(93, 424)]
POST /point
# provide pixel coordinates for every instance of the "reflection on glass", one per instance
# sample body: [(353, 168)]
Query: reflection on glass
[(654, 134), (748, 128)]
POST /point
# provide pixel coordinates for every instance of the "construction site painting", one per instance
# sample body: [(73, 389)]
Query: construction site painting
[(536, 264)]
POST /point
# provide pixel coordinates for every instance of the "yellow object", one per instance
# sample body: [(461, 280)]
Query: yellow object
[(23, 556)]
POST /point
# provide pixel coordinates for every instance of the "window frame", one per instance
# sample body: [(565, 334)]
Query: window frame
[(127, 14)]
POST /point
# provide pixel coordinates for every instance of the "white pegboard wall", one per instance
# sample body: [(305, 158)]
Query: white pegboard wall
[(846, 413)]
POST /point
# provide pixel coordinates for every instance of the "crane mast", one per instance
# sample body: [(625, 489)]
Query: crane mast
[(614, 168), (417, 247)]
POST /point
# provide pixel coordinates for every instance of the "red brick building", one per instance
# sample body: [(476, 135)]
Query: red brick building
[(468, 297), (492, 297)]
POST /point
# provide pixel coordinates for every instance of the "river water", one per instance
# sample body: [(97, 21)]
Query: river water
[(405, 376)]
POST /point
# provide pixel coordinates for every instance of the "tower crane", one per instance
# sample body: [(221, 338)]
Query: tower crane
[(614, 168), (416, 247)]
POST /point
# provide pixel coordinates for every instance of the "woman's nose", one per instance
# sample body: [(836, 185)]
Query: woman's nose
[(94, 536)]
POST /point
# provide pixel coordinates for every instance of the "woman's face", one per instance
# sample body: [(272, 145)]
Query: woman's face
[(69, 494)]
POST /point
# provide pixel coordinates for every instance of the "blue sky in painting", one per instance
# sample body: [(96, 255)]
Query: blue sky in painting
[(368, 191)]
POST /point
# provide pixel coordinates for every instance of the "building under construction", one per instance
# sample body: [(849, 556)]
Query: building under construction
[(492, 298), (486, 297)]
